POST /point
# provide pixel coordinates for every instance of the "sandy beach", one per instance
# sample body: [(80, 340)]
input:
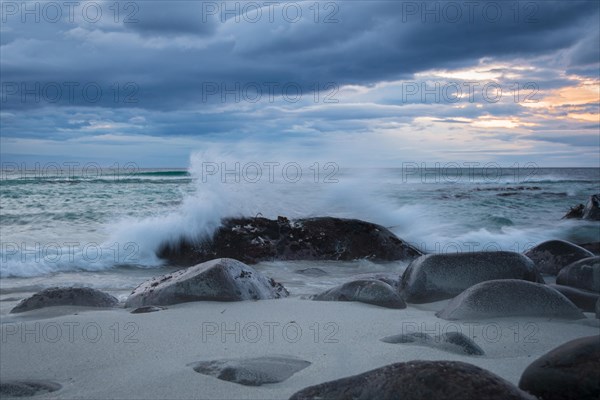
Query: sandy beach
[(113, 354)]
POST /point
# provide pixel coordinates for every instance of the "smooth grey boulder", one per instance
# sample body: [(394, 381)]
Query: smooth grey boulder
[(147, 309), (509, 298), (454, 342), (592, 208), (66, 296), (436, 277), (569, 372), (27, 388), (223, 279), (391, 278), (583, 299), (252, 371), (417, 380), (582, 274), (594, 247), (252, 240), (370, 291), (553, 255)]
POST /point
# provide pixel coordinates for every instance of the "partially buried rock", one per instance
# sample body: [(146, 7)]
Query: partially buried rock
[(368, 291), (582, 274), (569, 372), (509, 298), (594, 247), (27, 388), (66, 296), (147, 309), (252, 371), (454, 342), (583, 299), (551, 256), (417, 380), (252, 240), (436, 277), (223, 279)]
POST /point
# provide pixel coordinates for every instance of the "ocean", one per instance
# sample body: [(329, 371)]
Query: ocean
[(100, 226)]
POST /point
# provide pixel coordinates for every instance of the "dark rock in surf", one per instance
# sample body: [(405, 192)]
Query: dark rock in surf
[(417, 380), (594, 247), (390, 278), (223, 279), (553, 255), (27, 388), (252, 371), (569, 372), (436, 277), (592, 208), (575, 212), (311, 272), (251, 240), (368, 291), (582, 274), (454, 342), (583, 299), (66, 296), (509, 298)]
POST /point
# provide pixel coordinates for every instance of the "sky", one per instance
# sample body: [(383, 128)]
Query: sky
[(360, 83)]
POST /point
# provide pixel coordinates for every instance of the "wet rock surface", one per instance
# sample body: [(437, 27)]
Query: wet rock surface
[(252, 240), (368, 291), (582, 274), (27, 388), (553, 255), (454, 342)]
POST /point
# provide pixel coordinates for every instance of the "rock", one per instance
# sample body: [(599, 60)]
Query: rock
[(389, 278), (417, 380), (551, 256), (575, 212), (582, 274), (442, 276), (594, 247), (570, 371), (27, 388), (252, 371), (598, 309), (592, 208), (581, 298), (223, 279), (66, 296), (147, 309), (451, 341), (311, 272), (509, 298), (368, 291), (251, 240)]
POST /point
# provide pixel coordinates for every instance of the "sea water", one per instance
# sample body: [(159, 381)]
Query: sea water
[(101, 227)]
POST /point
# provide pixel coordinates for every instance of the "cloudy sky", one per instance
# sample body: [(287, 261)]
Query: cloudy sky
[(358, 82)]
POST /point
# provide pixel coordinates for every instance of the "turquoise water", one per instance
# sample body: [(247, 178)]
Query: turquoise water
[(102, 230)]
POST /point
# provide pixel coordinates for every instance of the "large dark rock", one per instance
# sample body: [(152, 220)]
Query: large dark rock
[(594, 247), (370, 291), (223, 279), (66, 296), (582, 274), (569, 372), (575, 212), (592, 208), (442, 276), (417, 380), (509, 298), (27, 388), (251, 240), (454, 342), (551, 256), (583, 299), (598, 309), (252, 371)]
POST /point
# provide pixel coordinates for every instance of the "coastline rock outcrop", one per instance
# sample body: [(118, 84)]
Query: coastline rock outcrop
[(553, 255), (66, 296)]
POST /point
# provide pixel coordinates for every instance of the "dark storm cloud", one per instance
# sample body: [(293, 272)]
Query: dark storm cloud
[(176, 49)]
